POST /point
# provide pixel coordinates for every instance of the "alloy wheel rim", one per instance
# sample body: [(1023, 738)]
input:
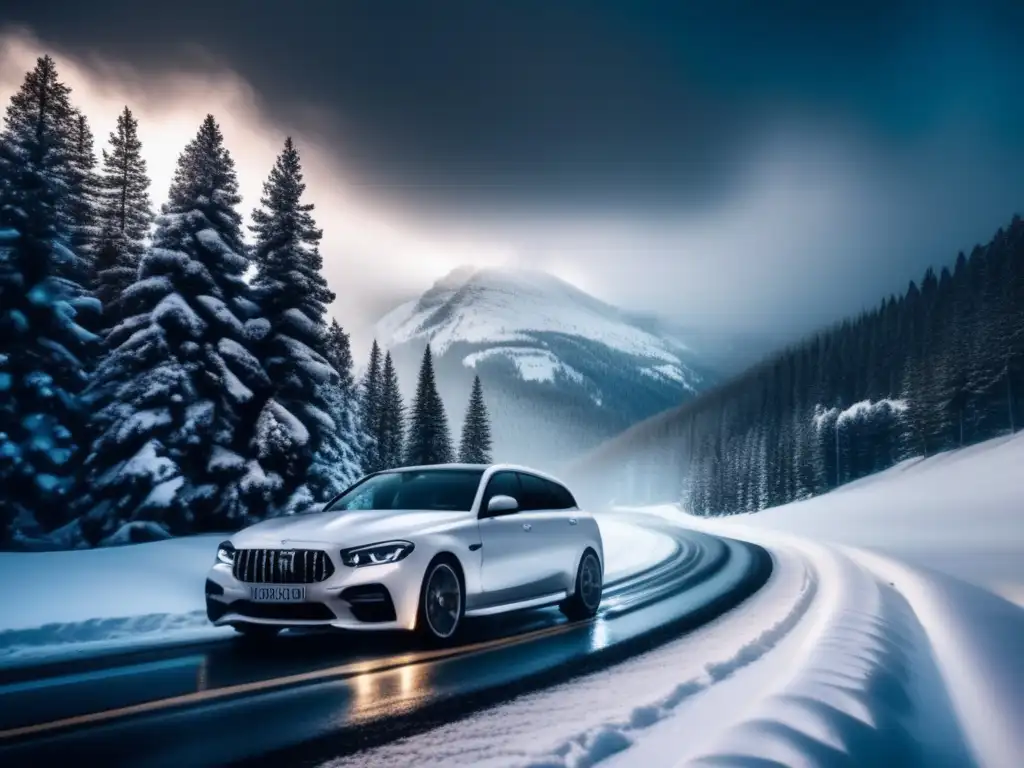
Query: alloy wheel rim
[(443, 600), (590, 581)]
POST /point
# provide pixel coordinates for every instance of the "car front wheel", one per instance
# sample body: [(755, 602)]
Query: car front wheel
[(441, 602), (587, 597)]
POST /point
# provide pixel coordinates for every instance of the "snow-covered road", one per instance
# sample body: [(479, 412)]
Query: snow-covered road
[(311, 692), (828, 664), (850, 655)]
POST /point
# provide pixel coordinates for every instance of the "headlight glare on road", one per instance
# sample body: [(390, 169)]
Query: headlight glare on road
[(376, 554), (225, 553)]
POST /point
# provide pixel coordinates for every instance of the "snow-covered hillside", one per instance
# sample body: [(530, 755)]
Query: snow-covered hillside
[(540, 341), (883, 637), (960, 512)]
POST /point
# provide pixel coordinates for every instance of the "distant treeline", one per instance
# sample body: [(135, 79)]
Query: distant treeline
[(934, 369)]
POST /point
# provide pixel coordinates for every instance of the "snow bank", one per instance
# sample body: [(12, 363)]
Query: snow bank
[(960, 512), (851, 681), (976, 639), (83, 601), (598, 716), (629, 549), (915, 649), (68, 602)]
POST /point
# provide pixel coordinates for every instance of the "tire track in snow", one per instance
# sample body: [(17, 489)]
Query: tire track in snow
[(513, 734), (864, 690), (594, 745), (857, 698)]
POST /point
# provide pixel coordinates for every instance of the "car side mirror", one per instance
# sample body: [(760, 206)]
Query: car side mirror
[(501, 505)]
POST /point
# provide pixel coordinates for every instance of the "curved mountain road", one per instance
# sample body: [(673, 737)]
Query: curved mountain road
[(317, 695)]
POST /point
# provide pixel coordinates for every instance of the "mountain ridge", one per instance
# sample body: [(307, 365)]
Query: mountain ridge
[(561, 369), (502, 305)]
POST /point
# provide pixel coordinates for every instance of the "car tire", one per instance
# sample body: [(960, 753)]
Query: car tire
[(256, 632), (442, 602), (586, 598)]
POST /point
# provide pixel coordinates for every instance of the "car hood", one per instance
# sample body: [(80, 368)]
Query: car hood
[(346, 529)]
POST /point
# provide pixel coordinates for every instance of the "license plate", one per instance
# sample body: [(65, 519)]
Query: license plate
[(278, 594)]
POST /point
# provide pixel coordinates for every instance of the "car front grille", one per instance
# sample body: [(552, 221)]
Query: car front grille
[(282, 566)]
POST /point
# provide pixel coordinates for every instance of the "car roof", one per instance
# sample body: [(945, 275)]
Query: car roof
[(480, 467)]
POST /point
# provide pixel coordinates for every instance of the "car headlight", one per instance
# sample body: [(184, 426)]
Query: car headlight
[(225, 553), (376, 554)]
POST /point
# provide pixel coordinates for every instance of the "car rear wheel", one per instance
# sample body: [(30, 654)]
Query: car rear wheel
[(442, 602), (587, 596)]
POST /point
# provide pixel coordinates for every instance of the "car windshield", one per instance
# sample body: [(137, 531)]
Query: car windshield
[(433, 489)]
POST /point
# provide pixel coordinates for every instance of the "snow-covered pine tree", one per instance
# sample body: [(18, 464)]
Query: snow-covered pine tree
[(476, 430), (428, 441), (338, 351), (391, 432), (41, 366), (337, 463), (295, 418), (83, 198), (124, 216), (369, 410), (174, 398)]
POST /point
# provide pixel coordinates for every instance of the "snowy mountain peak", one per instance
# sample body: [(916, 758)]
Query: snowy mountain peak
[(514, 310), (560, 368)]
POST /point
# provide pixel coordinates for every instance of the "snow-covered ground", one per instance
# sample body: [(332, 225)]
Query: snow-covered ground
[(84, 601), (960, 512), (75, 603), (882, 638), (629, 549)]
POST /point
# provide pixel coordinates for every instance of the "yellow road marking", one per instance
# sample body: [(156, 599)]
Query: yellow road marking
[(338, 672)]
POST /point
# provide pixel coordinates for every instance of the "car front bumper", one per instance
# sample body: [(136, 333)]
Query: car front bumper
[(351, 598)]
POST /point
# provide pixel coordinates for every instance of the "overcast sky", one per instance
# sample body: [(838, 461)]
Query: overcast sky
[(723, 163)]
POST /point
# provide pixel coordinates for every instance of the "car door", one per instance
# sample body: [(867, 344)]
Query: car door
[(508, 555), (566, 533), (553, 535)]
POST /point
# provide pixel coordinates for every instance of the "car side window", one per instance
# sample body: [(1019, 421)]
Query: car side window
[(560, 497), (536, 495), (502, 484)]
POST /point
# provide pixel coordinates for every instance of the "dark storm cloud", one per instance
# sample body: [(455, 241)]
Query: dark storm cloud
[(747, 163), (611, 102)]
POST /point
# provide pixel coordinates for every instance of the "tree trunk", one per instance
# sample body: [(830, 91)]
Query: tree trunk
[(1009, 396), (838, 483)]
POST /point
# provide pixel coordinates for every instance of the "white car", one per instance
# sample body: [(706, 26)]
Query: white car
[(416, 548)]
